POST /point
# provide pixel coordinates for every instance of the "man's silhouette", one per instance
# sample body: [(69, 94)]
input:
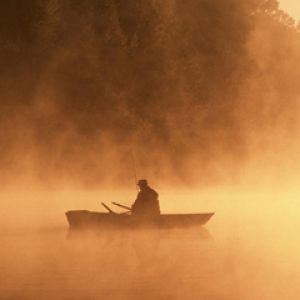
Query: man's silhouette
[(146, 202)]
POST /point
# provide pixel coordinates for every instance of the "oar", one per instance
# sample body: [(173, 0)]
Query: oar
[(109, 210), (121, 205)]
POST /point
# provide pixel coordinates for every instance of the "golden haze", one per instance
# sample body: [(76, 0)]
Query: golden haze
[(202, 96)]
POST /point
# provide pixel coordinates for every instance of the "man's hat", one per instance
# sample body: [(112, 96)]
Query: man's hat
[(142, 182)]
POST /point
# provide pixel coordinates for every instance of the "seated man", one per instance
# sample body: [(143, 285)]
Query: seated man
[(146, 202)]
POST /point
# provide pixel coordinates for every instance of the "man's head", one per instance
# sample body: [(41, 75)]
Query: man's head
[(142, 183)]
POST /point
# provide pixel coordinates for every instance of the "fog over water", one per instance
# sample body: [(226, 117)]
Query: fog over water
[(199, 97), (253, 251)]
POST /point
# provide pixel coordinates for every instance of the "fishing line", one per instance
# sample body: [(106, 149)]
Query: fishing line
[(134, 169)]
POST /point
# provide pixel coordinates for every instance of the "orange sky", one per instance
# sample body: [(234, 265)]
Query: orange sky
[(292, 7)]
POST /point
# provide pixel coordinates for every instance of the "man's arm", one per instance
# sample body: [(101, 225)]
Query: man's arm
[(135, 203)]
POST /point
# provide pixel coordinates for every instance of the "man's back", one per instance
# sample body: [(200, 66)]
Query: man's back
[(146, 202)]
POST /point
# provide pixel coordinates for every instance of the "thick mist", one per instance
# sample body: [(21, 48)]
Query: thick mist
[(201, 97), (200, 92)]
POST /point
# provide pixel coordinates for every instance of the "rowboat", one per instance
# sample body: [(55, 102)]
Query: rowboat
[(84, 219)]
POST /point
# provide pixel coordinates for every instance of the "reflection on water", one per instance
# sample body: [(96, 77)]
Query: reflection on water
[(51, 266), (48, 265), (156, 236), (253, 254)]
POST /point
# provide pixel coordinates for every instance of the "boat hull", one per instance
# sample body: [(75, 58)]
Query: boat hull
[(84, 219)]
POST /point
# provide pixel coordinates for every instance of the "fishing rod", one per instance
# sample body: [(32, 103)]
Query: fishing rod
[(134, 170)]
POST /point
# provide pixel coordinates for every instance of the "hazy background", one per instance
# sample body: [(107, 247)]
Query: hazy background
[(200, 97), (198, 93)]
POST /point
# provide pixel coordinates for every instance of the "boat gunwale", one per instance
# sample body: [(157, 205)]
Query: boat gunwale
[(131, 215)]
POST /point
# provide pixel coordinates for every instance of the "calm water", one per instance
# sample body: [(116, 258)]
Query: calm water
[(253, 256)]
